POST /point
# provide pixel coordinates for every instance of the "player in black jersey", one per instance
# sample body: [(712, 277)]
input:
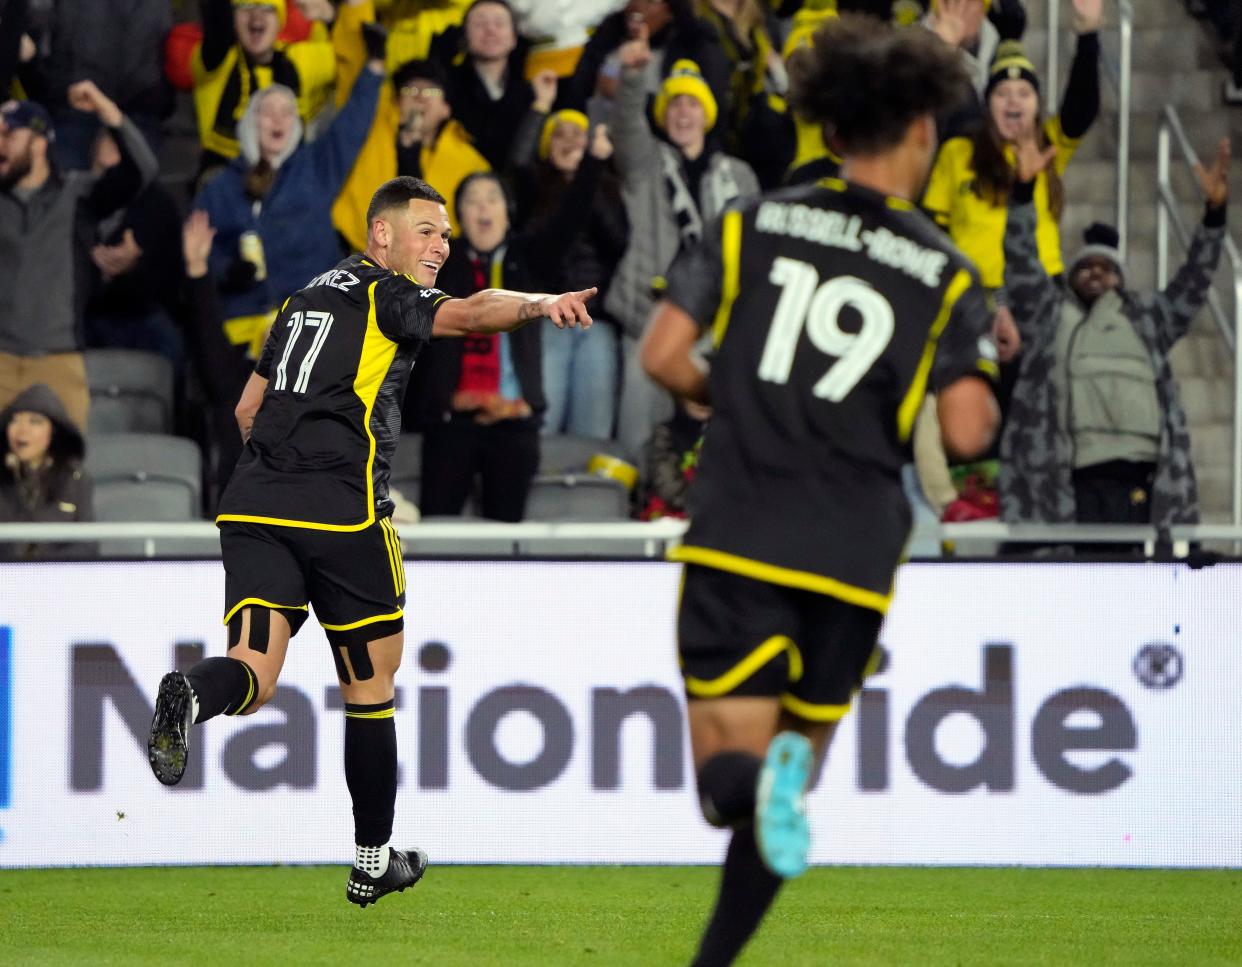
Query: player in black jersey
[(832, 308), (305, 517)]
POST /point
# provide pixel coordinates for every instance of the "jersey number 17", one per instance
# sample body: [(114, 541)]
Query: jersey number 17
[(321, 323), (805, 303)]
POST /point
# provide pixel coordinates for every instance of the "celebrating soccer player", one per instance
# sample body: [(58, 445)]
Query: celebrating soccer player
[(833, 308), (305, 517)]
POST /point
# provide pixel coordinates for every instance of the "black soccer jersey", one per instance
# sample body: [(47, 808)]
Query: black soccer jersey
[(833, 309), (337, 362)]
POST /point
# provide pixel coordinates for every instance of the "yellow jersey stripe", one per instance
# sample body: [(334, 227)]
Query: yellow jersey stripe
[(814, 713), (396, 551), (365, 621), (267, 604), (386, 713), (286, 522), (715, 687), (784, 576), (377, 355), (396, 557), (913, 399), (795, 662), (988, 367), (396, 547), (731, 256), (392, 560)]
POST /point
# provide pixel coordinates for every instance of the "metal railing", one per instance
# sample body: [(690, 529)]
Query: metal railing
[(1170, 133), (620, 539), (1118, 74)]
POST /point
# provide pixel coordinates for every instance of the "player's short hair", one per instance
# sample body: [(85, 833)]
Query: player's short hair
[(398, 193), (866, 81)]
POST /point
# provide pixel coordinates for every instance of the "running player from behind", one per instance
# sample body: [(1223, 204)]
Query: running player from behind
[(833, 308), (304, 519)]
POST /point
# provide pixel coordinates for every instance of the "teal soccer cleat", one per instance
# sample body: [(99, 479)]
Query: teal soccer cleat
[(781, 830)]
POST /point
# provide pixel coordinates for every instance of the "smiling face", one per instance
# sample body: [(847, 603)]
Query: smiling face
[(256, 28), (413, 240), (685, 121), (277, 119), (484, 214), (30, 436), (566, 147), (1014, 106), (490, 34), (1093, 276)]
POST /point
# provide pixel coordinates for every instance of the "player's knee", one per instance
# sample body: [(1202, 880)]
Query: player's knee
[(726, 785)]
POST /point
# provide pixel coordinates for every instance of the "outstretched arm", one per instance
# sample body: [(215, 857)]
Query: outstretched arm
[(1180, 301), (1031, 293), (502, 310)]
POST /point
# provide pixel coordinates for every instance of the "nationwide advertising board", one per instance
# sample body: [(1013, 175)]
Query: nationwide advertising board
[(1027, 714)]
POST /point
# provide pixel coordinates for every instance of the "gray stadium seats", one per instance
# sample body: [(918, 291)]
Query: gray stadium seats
[(131, 391), (146, 477), (577, 497), (561, 453)]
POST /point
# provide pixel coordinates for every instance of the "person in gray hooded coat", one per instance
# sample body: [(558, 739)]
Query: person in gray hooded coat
[(1096, 432), (41, 478)]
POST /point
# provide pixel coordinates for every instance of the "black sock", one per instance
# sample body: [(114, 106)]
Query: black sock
[(371, 770), (747, 889), (225, 685), (727, 783)]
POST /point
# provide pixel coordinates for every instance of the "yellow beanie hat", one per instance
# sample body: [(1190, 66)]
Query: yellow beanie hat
[(685, 78), (567, 116), (277, 5)]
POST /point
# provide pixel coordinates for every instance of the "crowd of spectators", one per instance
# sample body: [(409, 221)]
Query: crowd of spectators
[(579, 143)]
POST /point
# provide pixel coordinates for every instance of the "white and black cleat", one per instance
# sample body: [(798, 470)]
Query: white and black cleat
[(405, 868), (168, 746)]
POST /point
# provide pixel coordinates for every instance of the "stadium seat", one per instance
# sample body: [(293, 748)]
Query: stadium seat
[(146, 477), (577, 497), (561, 453), (131, 391)]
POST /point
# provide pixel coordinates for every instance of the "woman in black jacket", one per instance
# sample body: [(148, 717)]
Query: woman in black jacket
[(477, 400), (41, 479)]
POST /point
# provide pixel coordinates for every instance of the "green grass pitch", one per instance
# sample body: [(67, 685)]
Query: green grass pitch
[(481, 916)]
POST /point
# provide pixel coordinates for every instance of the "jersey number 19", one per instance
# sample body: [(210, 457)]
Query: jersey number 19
[(804, 302)]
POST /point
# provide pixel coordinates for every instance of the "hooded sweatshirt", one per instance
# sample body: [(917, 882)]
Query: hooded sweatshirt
[(57, 492)]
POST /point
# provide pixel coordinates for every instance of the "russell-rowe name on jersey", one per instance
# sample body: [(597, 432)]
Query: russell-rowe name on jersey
[(839, 230)]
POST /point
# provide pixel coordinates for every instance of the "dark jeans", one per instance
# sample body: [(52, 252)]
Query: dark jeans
[(503, 457), (1115, 492)]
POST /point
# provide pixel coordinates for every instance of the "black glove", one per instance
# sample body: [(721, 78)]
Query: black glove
[(375, 37)]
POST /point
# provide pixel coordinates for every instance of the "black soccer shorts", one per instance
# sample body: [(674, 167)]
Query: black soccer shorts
[(740, 636), (355, 580)]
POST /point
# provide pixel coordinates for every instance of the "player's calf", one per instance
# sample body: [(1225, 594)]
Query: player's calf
[(727, 783)]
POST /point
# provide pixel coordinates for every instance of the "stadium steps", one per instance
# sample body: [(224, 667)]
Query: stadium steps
[(1174, 61)]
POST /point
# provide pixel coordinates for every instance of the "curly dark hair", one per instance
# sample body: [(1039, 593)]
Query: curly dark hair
[(866, 81)]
